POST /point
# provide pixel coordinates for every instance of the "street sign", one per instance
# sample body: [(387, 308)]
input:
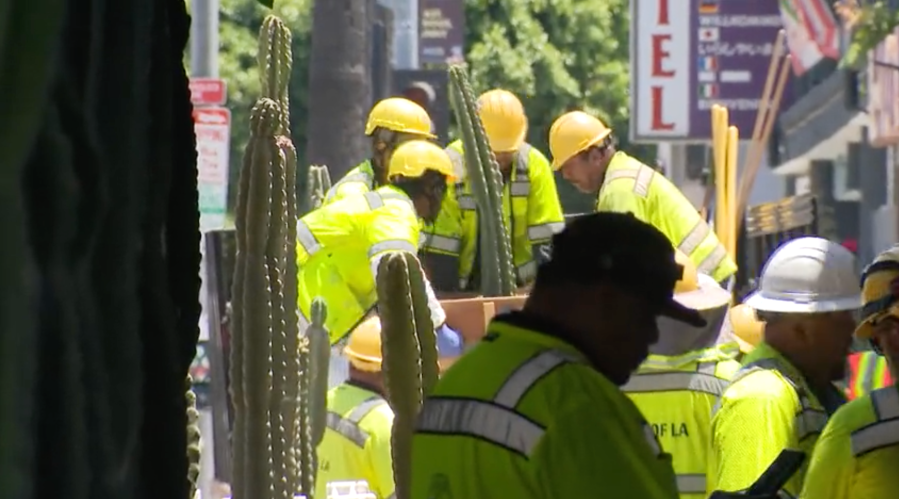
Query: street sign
[(687, 56), (208, 91), (212, 126)]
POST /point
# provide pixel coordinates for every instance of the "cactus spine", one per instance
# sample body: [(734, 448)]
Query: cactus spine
[(193, 439), (315, 356), (409, 350), (319, 185), (265, 360), (496, 268)]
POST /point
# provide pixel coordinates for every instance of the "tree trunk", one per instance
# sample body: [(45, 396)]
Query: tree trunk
[(339, 82)]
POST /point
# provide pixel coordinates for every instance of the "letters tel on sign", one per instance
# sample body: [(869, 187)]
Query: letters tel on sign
[(208, 91), (660, 60)]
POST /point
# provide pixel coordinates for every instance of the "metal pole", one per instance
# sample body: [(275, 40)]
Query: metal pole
[(405, 33), (204, 38)]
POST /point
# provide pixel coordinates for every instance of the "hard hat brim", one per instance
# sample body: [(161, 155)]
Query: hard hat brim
[(709, 295), (787, 306), (680, 313)]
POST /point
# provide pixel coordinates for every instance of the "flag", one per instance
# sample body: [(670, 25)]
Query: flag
[(804, 51), (821, 25), (708, 34), (708, 90), (708, 6), (707, 63)]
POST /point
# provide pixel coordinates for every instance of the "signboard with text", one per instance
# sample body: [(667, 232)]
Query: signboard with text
[(212, 126), (441, 31), (883, 92), (685, 60), (208, 91)]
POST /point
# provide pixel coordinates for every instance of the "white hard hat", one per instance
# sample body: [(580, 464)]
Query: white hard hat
[(808, 275)]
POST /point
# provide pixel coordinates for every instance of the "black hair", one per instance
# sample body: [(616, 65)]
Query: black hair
[(416, 186)]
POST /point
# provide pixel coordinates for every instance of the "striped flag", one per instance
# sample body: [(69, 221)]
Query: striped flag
[(805, 52), (708, 90), (821, 25)]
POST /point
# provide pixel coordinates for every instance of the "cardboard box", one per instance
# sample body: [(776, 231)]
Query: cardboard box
[(470, 316)]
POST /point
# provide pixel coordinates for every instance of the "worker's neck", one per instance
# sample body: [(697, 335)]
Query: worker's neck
[(360, 380), (804, 360)]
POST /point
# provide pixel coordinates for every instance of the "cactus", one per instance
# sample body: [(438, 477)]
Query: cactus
[(496, 266), (266, 347), (314, 359), (409, 350), (193, 439), (319, 185)]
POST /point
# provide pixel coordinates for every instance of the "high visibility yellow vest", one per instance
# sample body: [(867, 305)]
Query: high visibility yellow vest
[(532, 213), (355, 448), (359, 180), (631, 186), (767, 407), (857, 454), (337, 245), (676, 396), (524, 413)]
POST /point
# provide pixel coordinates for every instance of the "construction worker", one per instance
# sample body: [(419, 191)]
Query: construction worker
[(391, 122), (355, 450), (534, 410), (339, 245), (687, 370), (531, 208), (868, 371), (584, 149), (857, 453), (784, 393)]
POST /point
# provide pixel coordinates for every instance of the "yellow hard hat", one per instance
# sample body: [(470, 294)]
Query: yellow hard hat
[(504, 120), (880, 291), (573, 133), (400, 115), (699, 292), (746, 326), (364, 346), (414, 158)]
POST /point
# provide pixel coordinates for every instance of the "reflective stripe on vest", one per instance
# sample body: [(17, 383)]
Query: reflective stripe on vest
[(703, 380), (375, 200), (466, 201), (808, 421), (349, 426), (442, 243), (642, 178), (884, 432), (496, 421), (361, 177), (691, 483)]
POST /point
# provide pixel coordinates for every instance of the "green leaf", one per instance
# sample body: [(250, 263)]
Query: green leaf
[(268, 3)]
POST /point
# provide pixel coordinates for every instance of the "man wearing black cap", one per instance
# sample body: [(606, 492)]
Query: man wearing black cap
[(535, 410)]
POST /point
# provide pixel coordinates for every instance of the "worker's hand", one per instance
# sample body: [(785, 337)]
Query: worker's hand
[(449, 342)]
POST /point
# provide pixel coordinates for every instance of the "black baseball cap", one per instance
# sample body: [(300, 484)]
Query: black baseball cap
[(620, 250)]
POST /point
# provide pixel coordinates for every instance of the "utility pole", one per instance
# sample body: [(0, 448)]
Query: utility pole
[(204, 63), (405, 33), (204, 38)]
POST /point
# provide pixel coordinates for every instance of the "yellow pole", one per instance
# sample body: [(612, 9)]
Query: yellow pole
[(733, 145), (719, 150)]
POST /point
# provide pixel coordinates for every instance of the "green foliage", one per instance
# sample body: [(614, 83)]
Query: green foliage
[(240, 22), (870, 23), (557, 55)]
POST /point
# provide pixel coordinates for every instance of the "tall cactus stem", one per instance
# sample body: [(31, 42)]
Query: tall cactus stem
[(193, 439), (405, 323)]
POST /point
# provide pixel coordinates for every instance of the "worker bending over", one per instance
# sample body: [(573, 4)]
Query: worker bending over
[(534, 410), (857, 455), (687, 370), (356, 444), (584, 149), (531, 209), (391, 122), (784, 393), (340, 245)]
